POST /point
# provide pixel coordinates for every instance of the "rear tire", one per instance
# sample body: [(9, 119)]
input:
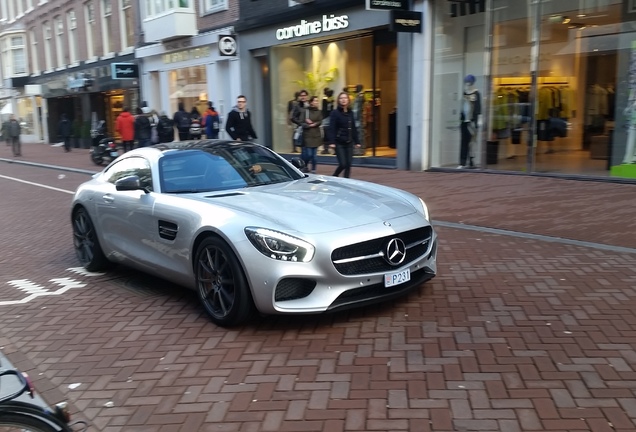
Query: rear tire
[(221, 283)]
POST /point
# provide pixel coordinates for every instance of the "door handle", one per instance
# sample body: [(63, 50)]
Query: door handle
[(108, 198)]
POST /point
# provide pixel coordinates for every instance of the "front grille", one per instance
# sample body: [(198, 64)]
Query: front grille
[(293, 288), (416, 241)]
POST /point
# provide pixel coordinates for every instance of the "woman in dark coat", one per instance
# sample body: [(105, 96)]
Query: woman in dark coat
[(343, 134), (311, 119)]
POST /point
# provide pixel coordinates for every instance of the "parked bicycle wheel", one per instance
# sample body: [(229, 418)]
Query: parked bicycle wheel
[(19, 422)]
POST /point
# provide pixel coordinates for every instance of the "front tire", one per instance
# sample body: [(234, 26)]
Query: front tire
[(221, 284), (87, 248), (97, 159)]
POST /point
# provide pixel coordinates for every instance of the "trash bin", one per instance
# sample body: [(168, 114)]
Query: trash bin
[(492, 152)]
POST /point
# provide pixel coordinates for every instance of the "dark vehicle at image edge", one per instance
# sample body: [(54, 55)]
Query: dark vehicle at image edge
[(249, 231)]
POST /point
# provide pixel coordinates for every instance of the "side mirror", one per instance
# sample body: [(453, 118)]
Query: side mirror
[(298, 163), (129, 183)]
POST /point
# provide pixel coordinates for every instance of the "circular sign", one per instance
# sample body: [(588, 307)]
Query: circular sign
[(227, 45)]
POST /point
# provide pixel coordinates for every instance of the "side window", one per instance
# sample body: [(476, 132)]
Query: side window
[(131, 166)]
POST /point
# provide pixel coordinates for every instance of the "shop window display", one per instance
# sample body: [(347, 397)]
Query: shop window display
[(575, 117), (188, 85), (360, 66)]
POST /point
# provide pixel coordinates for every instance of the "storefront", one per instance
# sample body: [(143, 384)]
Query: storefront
[(25, 103), (349, 50), (569, 110), (191, 70), (87, 95)]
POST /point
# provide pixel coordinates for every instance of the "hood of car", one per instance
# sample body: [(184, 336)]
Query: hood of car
[(314, 205)]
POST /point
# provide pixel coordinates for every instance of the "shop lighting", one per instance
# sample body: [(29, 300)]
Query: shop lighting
[(565, 20)]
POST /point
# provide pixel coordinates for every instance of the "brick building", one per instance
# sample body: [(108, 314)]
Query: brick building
[(89, 59)]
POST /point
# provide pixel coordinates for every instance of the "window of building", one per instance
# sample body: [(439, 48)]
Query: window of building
[(188, 85), (48, 46), (19, 55), (158, 7), (72, 36), (35, 64), (107, 15), (211, 6), (14, 55), (126, 24), (89, 16), (59, 41)]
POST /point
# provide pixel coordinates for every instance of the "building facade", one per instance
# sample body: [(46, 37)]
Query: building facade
[(327, 47), (189, 55), (71, 54), (557, 81)]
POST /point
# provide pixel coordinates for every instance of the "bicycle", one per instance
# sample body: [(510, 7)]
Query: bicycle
[(21, 416)]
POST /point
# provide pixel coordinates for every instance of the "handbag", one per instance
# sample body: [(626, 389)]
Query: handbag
[(298, 136)]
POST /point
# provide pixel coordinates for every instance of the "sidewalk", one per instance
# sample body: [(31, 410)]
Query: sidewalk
[(579, 210)]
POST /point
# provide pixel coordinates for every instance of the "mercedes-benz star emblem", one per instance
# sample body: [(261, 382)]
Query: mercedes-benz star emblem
[(395, 251)]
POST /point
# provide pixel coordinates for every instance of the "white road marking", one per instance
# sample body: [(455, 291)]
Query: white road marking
[(37, 184), (82, 271), (34, 290)]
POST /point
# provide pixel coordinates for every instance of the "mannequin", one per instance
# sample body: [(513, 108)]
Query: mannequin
[(630, 113), (470, 115)]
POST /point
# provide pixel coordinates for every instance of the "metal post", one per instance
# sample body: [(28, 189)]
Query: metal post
[(534, 67), (486, 118)]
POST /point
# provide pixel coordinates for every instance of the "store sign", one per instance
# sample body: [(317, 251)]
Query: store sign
[(387, 4), (79, 81), (124, 71), (306, 28), (185, 55), (406, 22), (227, 45)]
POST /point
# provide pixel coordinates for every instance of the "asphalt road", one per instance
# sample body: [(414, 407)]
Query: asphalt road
[(516, 333)]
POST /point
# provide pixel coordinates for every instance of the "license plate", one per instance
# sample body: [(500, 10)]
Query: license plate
[(114, 154), (397, 278)]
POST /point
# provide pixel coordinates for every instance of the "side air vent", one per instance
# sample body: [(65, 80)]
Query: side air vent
[(168, 230)]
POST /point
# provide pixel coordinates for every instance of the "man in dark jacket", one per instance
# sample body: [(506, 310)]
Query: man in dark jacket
[(64, 130), (142, 129), (182, 121), (14, 130), (165, 128), (239, 123)]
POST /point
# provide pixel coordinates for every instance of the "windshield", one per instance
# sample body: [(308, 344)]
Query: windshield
[(221, 167)]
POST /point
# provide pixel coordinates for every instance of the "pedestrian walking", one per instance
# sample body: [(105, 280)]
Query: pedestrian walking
[(298, 110), (239, 122), (143, 129), (182, 122), (125, 127), (64, 130), (211, 121), (343, 134), (165, 128), (312, 138), (15, 130), (5, 132)]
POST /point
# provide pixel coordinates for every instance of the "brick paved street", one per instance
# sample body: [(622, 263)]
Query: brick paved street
[(514, 334)]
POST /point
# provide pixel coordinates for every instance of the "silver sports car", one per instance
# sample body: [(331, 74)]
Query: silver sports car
[(248, 230)]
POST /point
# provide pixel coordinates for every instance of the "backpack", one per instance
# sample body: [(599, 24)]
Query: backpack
[(184, 121), (215, 121)]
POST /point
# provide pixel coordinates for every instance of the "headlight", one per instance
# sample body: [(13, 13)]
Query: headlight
[(279, 246), (425, 210)]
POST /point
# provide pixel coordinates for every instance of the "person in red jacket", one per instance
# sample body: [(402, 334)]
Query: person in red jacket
[(125, 127)]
